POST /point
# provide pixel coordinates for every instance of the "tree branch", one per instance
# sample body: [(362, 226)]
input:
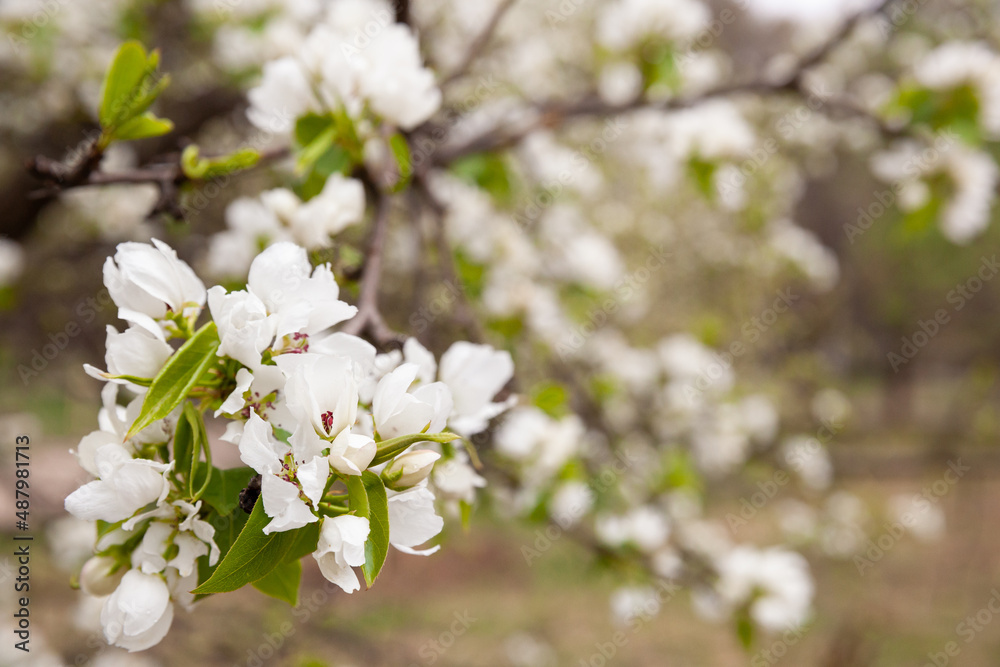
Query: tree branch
[(479, 43), (166, 174), (369, 318), (550, 114)]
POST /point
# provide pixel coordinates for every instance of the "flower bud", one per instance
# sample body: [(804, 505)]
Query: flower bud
[(409, 469), (97, 578)]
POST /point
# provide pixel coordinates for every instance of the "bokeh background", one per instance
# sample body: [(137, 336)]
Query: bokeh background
[(479, 602)]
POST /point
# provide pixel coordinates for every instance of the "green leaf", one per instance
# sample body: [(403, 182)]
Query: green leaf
[(310, 126), (251, 557), (104, 528), (377, 545), (314, 137), (282, 582), (130, 88), (178, 377), (149, 89), (401, 151), (184, 444), (357, 495), (466, 511), (550, 397), (702, 172), (127, 71), (199, 444), (227, 530), (680, 472), (334, 160), (223, 491), (659, 68), (142, 127), (488, 171), (134, 379), (315, 149), (306, 539), (745, 630), (389, 448), (200, 168)]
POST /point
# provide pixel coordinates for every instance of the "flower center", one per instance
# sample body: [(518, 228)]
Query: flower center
[(327, 418)]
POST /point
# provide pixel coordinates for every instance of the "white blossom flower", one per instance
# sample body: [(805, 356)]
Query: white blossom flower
[(176, 529), (475, 373), (340, 204), (283, 95), (409, 469), (341, 547), (302, 299), (322, 394), (139, 613), (396, 85), (630, 603), (398, 411), (570, 503), (134, 352), (412, 520), (125, 485), (455, 479), (385, 76), (644, 527), (541, 443), (775, 581), (625, 23), (284, 477), (148, 283), (101, 575), (245, 328)]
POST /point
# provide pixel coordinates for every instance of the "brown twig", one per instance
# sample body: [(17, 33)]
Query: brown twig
[(166, 173), (479, 42), (369, 318)]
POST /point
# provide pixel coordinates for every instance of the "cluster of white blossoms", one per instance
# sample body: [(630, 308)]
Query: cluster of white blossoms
[(279, 215), (971, 174), (356, 60), (309, 410), (973, 64)]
